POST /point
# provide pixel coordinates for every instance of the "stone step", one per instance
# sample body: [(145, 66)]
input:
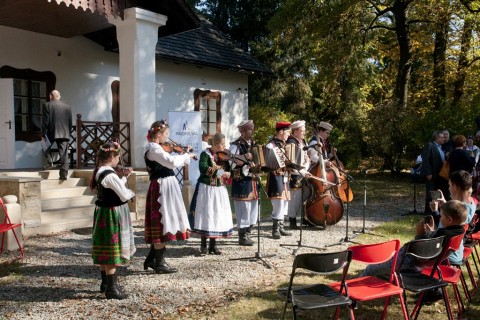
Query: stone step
[(66, 192), (59, 225), (28, 174), (48, 184), (51, 216), (68, 202)]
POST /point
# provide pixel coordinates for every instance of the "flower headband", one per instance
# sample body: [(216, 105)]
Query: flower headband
[(161, 126), (115, 148)]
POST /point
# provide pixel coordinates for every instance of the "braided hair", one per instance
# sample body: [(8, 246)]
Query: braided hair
[(103, 154)]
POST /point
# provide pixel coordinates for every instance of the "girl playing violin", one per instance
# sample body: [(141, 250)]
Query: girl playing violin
[(112, 236), (213, 216), (165, 215)]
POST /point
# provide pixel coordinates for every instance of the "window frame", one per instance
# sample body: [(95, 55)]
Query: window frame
[(30, 76), (198, 94)]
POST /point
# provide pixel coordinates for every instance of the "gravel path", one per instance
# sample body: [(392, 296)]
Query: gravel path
[(57, 278)]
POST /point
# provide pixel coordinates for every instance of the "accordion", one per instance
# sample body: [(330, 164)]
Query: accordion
[(264, 157), (295, 157)]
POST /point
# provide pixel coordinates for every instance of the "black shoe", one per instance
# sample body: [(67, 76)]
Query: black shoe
[(103, 284), (203, 245), (212, 247), (112, 291), (62, 178), (243, 238), (293, 223), (150, 260), (160, 265)]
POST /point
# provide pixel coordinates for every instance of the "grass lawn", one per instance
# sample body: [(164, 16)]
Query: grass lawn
[(265, 303)]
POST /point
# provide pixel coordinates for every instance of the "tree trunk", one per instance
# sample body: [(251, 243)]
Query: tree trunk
[(439, 60), (405, 64), (466, 45)]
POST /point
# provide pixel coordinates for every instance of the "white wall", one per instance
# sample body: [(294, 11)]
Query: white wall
[(84, 73), (176, 84)]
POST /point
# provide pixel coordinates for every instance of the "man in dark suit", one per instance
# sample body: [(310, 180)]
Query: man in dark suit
[(57, 124), (432, 161)]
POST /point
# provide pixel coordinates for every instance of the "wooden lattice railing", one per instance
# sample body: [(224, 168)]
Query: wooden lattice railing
[(90, 135)]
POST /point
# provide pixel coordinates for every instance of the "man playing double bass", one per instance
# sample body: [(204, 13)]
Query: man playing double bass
[(244, 185), (295, 206), (320, 138)]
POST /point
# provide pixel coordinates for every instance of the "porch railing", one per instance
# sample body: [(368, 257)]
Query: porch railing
[(90, 135), (87, 136)]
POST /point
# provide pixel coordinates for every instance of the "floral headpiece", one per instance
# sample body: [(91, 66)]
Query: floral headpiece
[(114, 148), (162, 125)]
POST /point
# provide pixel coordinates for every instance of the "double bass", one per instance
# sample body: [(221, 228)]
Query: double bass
[(324, 207), (344, 191)]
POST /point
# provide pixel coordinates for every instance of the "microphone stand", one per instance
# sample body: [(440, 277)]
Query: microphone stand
[(365, 206), (414, 211), (258, 255), (346, 239)]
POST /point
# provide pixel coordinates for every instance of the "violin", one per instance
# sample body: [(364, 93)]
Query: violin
[(226, 155), (169, 148), (123, 171), (172, 146)]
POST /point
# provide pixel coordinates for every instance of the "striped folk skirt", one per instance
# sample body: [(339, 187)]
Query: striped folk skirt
[(113, 241), (165, 215)]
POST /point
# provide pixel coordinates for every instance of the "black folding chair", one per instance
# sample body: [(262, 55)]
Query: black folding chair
[(317, 296), (426, 253)]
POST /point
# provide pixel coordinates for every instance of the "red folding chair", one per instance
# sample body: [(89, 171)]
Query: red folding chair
[(6, 226), (369, 287)]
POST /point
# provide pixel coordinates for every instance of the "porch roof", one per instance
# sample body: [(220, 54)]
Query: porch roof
[(185, 38), (69, 18)]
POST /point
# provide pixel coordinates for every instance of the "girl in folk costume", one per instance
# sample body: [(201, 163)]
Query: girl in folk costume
[(213, 216), (277, 182), (112, 236), (165, 215)]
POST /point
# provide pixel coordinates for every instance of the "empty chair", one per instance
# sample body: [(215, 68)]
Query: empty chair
[(371, 287), (7, 226), (317, 296)]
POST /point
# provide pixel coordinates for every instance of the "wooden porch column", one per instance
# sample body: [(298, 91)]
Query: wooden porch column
[(137, 36)]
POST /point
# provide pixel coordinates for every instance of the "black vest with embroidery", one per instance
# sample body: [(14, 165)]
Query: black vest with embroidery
[(156, 170), (106, 197), (275, 179), (295, 179), (241, 185)]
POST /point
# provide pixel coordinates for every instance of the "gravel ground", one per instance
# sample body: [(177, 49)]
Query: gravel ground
[(57, 278)]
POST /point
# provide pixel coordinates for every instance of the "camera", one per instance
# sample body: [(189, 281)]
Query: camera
[(427, 219), (436, 194)]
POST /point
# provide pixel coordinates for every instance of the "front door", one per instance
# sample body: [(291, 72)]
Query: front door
[(7, 125)]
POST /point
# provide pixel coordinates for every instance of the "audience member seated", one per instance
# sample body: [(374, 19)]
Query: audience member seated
[(452, 216)]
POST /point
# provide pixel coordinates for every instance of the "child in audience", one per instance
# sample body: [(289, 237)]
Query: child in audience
[(452, 216)]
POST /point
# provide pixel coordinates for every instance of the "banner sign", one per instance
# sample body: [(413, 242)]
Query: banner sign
[(186, 129)]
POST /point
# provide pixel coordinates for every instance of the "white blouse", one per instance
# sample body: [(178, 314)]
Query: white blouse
[(117, 184), (157, 154)]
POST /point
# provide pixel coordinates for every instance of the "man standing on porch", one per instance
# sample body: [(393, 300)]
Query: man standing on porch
[(57, 124)]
